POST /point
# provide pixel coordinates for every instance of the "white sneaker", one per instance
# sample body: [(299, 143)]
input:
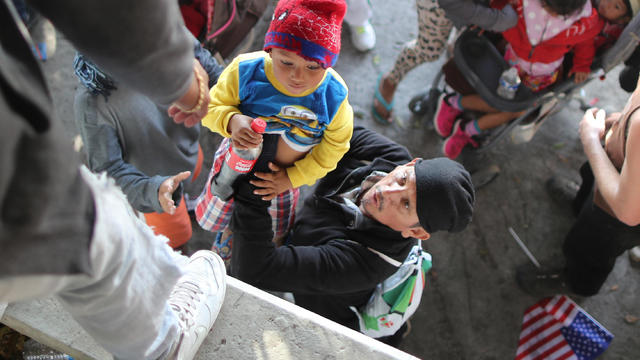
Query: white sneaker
[(634, 254), (196, 299), (363, 37)]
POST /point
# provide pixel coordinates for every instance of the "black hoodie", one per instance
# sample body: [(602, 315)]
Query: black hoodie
[(327, 265)]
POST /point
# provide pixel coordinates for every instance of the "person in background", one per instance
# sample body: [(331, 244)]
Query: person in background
[(435, 21), (608, 202), (136, 142), (70, 233), (358, 17), (546, 31)]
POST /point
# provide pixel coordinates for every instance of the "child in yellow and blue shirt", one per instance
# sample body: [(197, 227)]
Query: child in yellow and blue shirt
[(292, 86)]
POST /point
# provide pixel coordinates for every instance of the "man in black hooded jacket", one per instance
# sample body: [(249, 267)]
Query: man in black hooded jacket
[(362, 217)]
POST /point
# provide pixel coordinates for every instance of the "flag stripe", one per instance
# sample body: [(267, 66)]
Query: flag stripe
[(533, 347), (553, 350), (545, 326)]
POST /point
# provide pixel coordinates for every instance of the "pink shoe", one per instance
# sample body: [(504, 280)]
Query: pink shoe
[(454, 144), (445, 116)]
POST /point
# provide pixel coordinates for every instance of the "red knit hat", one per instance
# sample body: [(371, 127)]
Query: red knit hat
[(310, 28)]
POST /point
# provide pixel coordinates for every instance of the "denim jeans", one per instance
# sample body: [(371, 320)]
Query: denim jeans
[(123, 303)]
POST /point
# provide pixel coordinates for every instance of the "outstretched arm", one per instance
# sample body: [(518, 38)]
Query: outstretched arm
[(332, 268), (620, 189)]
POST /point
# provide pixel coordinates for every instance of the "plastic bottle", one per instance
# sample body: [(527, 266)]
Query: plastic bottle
[(33, 350), (508, 83), (236, 163)]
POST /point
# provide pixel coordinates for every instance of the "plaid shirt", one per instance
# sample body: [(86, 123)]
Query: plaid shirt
[(214, 214)]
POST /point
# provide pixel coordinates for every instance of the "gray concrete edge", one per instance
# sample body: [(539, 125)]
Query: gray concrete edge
[(252, 325)]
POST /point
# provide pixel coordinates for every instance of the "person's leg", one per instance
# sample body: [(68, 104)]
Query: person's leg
[(129, 304), (592, 246), (461, 135), (433, 31), (585, 188), (450, 106), (358, 17)]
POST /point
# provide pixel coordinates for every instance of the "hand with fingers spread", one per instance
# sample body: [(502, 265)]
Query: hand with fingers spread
[(242, 135), (273, 183), (166, 189)]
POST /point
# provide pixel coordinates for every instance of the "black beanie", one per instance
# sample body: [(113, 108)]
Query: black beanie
[(444, 195)]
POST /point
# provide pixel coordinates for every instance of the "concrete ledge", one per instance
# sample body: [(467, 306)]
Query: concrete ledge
[(252, 325)]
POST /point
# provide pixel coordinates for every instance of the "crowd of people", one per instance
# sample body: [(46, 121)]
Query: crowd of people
[(146, 88)]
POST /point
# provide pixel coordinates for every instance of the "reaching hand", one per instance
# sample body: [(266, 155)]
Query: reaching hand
[(273, 183), (198, 93), (166, 189), (592, 126), (242, 135)]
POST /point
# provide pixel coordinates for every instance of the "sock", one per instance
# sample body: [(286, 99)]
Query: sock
[(471, 128), (454, 101)]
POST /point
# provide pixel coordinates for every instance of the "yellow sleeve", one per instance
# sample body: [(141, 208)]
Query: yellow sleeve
[(325, 156), (224, 100)]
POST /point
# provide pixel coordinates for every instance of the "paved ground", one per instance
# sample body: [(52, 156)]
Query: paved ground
[(472, 308)]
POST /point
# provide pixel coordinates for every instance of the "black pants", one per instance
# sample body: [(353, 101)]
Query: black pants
[(594, 242)]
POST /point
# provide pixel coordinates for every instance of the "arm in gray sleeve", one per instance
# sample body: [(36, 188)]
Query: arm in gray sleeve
[(104, 153), (467, 12), (141, 43)]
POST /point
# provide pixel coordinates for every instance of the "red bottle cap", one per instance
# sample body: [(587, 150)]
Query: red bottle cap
[(258, 125)]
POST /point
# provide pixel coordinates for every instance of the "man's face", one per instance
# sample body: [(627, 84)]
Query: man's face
[(392, 202)]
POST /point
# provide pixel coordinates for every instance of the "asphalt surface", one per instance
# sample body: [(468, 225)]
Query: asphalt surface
[(472, 307)]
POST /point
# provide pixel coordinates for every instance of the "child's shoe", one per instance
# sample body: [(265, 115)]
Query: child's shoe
[(454, 144), (445, 116)]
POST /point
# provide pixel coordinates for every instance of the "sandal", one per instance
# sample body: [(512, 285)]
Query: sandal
[(383, 102)]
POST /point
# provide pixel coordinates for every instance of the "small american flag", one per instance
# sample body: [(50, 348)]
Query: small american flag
[(557, 328)]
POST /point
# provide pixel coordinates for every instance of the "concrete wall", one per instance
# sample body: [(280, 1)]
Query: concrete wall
[(252, 325)]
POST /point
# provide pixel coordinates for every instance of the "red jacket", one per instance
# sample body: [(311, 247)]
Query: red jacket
[(579, 37)]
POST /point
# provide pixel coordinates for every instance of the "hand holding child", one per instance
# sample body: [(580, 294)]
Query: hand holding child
[(273, 183), (242, 135)]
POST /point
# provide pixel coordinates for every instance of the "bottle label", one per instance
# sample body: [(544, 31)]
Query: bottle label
[(237, 163)]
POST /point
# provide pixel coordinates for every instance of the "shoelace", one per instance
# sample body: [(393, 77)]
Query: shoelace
[(183, 301)]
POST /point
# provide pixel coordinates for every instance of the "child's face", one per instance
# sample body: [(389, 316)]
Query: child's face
[(613, 10), (295, 73)]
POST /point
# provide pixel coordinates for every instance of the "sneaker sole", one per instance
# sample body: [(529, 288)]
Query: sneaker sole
[(435, 115)]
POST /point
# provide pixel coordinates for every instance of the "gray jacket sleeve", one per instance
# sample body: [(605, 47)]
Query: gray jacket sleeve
[(104, 153), (469, 12), (141, 43)]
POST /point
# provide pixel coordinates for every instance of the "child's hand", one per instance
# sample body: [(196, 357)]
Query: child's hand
[(273, 183), (580, 77), (242, 135), (166, 189)]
